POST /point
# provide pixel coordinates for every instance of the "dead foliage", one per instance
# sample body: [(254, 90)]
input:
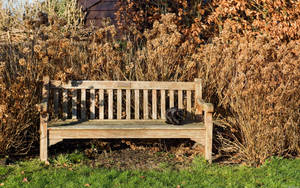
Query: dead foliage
[(250, 69)]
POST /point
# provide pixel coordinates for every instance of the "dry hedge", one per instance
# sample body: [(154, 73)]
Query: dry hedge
[(257, 81), (252, 78)]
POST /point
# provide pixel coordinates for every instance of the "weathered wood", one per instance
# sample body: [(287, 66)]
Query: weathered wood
[(128, 96), (57, 130), (65, 103), (154, 104), (56, 100), (119, 104), (83, 104), (53, 141), (120, 124), (123, 85), (92, 104), (44, 116), (124, 133), (189, 102), (201, 105), (110, 104), (74, 104), (171, 97), (101, 104), (180, 99), (198, 95), (136, 104), (145, 108), (163, 104), (208, 135), (198, 88)]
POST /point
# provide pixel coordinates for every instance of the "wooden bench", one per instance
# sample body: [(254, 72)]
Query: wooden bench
[(122, 109)]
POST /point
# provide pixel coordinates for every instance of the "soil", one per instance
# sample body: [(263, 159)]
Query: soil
[(133, 154)]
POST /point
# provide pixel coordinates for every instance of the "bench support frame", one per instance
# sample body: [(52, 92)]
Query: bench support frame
[(49, 136)]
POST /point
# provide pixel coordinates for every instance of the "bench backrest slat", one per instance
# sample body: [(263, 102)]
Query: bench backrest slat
[(154, 104), (74, 104), (121, 100), (110, 104), (163, 104), (128, 105), (145, 107), (101, 104), (119, 104), (65, 103), (92, 104), (136, 104), (83, 104)]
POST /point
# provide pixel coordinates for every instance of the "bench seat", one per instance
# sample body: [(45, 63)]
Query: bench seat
[(121, 124), (73, 129)]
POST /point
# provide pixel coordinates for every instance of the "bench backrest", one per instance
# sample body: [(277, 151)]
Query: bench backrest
[(116, 100)]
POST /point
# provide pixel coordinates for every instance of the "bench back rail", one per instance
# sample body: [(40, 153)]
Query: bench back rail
[(117, 100)]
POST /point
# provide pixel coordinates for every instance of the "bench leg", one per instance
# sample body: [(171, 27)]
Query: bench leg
[(43, 143), (208, 136)]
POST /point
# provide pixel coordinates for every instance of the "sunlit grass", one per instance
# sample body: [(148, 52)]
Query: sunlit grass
[(276, 172)]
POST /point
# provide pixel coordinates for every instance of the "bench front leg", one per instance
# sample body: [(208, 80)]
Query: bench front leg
[(208, 135), (43, 138), (208, 109)]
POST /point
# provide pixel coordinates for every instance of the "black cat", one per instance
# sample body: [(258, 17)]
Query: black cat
[(175, 116)]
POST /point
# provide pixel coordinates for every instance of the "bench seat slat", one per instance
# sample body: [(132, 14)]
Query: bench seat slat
[(121, 124), (60, 134)]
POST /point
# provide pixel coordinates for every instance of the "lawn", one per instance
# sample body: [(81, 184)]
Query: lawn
[(72, 172)]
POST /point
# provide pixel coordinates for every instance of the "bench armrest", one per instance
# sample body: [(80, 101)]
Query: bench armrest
[(206, 107)]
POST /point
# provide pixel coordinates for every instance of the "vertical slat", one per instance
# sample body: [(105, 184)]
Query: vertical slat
[(154, 104), (55, 100), (180, 101), (146, 110), (83, 104), (198, 95), (101, 104), (163, 103), (74, 104), (110, 104), (136, 104), (171, 93), (92, 104), (65, 103), (128, 104), (189, 101), (119, 104), (44, 120)]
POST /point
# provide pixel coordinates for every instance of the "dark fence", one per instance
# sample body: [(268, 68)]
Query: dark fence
[(96, 10)]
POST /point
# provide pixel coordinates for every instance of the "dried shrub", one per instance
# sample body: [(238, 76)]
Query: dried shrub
[(250, 73), (256, 80), (66, 50), (190, 17)]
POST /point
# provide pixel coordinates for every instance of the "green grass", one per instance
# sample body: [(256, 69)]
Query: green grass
[(276, 172)]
